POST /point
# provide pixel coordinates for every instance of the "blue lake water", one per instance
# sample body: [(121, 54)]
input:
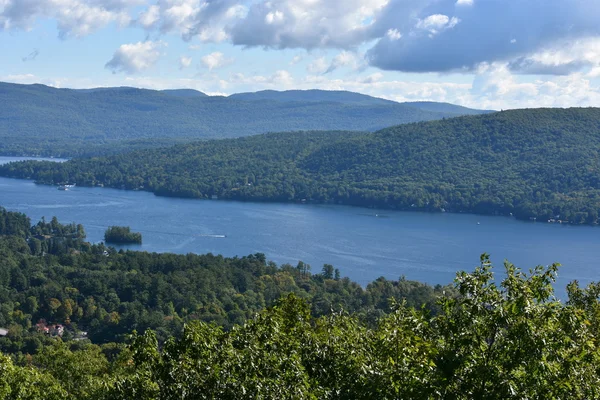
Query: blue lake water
[(364, 244)]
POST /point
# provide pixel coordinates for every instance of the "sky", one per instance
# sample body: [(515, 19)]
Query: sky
[(489, 54)]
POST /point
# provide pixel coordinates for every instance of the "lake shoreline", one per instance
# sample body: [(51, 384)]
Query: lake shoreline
[(363, 243), (313, 202)]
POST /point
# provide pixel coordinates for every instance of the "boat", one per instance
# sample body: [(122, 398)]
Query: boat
[(65, 187)]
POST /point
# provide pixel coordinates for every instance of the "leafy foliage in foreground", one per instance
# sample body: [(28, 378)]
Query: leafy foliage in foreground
[(511, 341), (541, 163)]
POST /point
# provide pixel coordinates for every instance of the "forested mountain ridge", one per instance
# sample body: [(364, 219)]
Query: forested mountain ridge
[(41, 120), (336, 96), (538, 163), (341, 96)]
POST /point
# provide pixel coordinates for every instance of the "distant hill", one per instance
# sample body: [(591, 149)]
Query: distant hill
[(334, 96), (537, 163), (37, 119), (445, 108), (184, 92), (340, 96)]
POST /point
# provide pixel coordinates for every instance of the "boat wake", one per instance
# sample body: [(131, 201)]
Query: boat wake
[(212, 236)]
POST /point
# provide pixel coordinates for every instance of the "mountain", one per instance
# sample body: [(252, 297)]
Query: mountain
[(536, 163), (184, 92), (334, 96), (445, 108), (339, 96), (37, 119)]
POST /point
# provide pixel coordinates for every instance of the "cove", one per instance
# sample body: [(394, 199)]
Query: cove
[(364, 244)]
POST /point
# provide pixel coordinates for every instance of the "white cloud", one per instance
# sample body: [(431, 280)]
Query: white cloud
[(562, 58), (436, 23), (280, 80), (297, 58), (135, 57), (306, 23), (343, 59), (150, 17), (74, 18), (215, 60), (204, 19), (594, 72), (184, 62), (276, 17), (439, 36), (347, 59), (373, 78), (318, 66), (393, 34), (558, 38)]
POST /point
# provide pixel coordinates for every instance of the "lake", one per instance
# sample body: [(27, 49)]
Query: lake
[(364, 244)]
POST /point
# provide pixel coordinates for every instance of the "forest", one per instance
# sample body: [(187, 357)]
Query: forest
[(49, 273), (164, 326), (42, 120), (536, 164)]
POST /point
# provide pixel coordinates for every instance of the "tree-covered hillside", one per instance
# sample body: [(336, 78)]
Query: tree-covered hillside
[(539, 163), (341, 96), (37, 119), (50, 276), (336, 96)]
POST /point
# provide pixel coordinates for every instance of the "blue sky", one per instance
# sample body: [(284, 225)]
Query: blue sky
[(479, 53)]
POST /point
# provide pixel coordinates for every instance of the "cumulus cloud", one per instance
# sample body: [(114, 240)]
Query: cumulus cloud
[(344, 59), (74, 18), (306, 23), (215, 60), (532, 36), (562, 58), (135, 57), (317, 66), (150, 17), (204, 19), (485, 32)]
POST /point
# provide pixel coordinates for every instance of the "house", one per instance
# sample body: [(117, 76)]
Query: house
[(3, 331), (56, 330), (52, 329)]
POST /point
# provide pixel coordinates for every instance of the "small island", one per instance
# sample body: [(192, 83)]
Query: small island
[(122, 235)]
